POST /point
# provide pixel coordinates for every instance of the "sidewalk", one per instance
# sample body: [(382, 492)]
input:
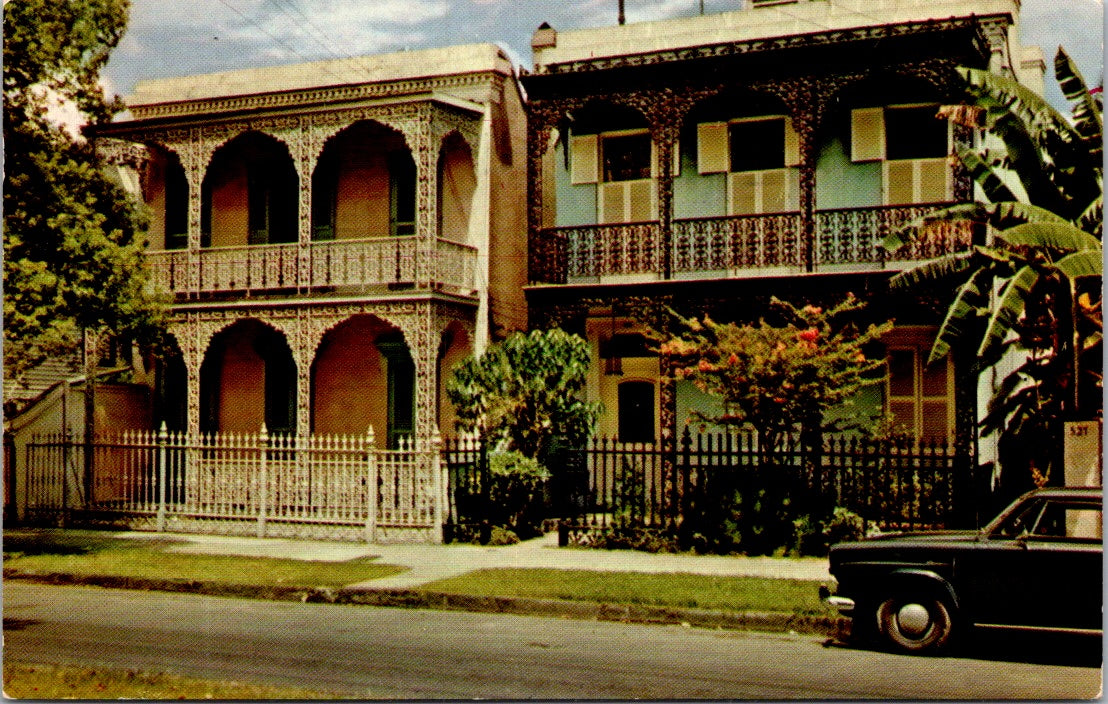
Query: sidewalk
[(427, 563)]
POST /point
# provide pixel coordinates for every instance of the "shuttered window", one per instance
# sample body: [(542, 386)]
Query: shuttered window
[(920, 395)]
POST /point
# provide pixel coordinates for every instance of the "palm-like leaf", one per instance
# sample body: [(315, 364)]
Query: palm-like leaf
[(1086, 263), (983, 175), (970, 304), (1060, 236), (1087, 120), (1006, 312)]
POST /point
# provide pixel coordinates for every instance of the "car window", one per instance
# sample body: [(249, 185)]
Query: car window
[(1020, 522), (1069, 520)]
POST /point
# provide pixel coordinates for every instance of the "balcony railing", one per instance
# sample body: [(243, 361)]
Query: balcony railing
[(734, 244), (331, 264), (741, 246), (853, 235)]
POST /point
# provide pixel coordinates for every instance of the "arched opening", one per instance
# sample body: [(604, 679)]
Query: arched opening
[(455, 347), (250, 194), (364, 185), (457, 183), (248, 377), (740, 156), (363, 375), (606, 171), (882, 144)]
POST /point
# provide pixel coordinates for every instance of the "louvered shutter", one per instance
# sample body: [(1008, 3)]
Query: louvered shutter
[(935, 181), (639, 198), (712, 148), (584, 158), (743, 193), (773, 191), (900, 182), (612, 207), (867, 134), (792, 144)]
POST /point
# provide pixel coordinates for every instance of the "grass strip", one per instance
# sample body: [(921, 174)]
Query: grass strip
[(38, 681), (87, 554), (675, 590)]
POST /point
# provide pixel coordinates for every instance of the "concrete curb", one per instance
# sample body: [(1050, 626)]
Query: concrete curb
[(832, 626)]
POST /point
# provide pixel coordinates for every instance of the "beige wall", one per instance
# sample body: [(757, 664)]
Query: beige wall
[(508, 218), (350, 388), (241, 383), (457, 183), (154, 195), (457, 352), (229, 205)]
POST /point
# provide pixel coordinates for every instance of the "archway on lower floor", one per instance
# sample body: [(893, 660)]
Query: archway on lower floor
[(455, 347), (363, 375), (248, 377), (170, 388)]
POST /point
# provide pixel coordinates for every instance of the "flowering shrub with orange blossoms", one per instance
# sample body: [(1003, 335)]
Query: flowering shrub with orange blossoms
[(778, 378)]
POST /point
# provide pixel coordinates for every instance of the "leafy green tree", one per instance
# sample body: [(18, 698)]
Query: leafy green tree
[(778, 378), (1033, 286), (525, 390), (72, 238)]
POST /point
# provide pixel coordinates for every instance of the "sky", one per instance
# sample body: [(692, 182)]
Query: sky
[(169, 38)]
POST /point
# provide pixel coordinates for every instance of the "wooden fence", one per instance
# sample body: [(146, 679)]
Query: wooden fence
[(321, 486)]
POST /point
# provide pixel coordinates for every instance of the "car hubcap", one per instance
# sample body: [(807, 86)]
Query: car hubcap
[(913, 620)]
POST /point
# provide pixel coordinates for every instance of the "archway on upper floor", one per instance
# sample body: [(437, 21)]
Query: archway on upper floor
[(880, 143), (364, 185), (363, 375), (166, 192), (455, 347), (739, 156), (250, 193), (604, 168), (248, 377), (457, 182)]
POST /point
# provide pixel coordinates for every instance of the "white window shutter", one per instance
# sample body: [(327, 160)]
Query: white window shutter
[(743, 194), (584, 160), (867, 134), (900, 182), (792, 144), (712, 148), (935, 181), (640, 201), (612, 203)]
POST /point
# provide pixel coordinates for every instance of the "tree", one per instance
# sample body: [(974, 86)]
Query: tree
[(525, 390), (1033, 286), (778, 378), (72, 238)]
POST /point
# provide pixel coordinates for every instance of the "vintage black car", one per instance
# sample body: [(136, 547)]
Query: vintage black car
[(1037, 566)]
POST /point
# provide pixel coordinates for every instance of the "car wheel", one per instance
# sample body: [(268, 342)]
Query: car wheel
[(915, 622)]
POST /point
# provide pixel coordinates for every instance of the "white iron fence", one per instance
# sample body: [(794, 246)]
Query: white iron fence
[(243, 482)]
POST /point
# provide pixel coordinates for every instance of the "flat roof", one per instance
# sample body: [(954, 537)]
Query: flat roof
[(374, 68), (796, 18)]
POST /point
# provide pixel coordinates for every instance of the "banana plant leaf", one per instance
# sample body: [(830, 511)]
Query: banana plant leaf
[(1061, 237), (1006, 312), (969, 305), (1087, 120)]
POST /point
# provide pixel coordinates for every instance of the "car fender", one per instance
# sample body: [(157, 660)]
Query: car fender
[(917, 577)]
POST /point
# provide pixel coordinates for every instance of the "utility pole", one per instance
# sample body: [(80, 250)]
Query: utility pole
[(622, 16)]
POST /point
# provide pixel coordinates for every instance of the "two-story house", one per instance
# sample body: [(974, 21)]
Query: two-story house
[(325, 233), (710, 162)]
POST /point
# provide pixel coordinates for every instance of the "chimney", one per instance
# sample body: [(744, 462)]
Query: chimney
[(544, 37)]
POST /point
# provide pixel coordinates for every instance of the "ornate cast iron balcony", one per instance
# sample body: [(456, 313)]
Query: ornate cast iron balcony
[(332, 264), (740, 246), (853, 235)]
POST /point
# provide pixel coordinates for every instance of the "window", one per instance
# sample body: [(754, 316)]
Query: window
[(757, 155), (758, 145), (626, 157), (402, 194), (636, 411), (325, 187), (912, 146), (914, 133), (176, 207), (919, 395)]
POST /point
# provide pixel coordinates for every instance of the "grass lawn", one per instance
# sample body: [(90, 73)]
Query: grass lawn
[(675, 590), (94, 553), (24, 681)]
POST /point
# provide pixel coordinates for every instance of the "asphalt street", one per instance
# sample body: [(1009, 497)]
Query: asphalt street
[(366, 652)]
